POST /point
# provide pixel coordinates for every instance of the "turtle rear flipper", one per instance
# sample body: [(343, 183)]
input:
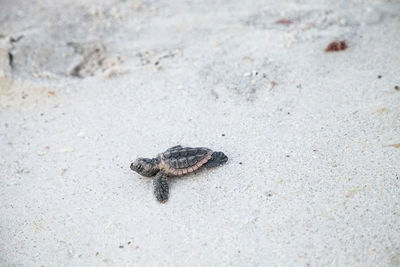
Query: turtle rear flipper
[(161, 189), (217, 159)]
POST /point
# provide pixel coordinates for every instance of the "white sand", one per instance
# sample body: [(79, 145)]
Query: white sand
[(311, 179)]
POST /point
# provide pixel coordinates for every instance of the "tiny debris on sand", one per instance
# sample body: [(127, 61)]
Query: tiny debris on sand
[(350, 193), (81, 134), (272, 85), (336, 46), (395, 145), (66, 150), (381, 110), (284, 21)]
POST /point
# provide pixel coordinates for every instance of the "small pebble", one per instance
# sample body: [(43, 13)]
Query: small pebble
[(223, 134), (240, 163), (121, 246), (81, 134), (397, 87), (379, 76)]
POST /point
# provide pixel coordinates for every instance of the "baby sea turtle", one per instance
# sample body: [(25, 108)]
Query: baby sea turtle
[(176, 161)]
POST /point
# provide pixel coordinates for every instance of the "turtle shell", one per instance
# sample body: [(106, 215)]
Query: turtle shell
[(182, 160)]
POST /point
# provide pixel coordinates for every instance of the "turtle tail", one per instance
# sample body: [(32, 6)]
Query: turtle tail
[(217, 159)]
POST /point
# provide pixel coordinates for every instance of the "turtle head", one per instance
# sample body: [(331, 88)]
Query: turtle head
[(145, 167)]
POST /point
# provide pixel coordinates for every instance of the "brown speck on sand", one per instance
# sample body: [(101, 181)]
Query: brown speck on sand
[(273, 84), (336, 46), (381, 110), (284, 21), (395, 145), (248, 58)]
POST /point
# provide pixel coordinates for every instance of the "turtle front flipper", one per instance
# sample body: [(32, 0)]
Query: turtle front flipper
[(161, 189)]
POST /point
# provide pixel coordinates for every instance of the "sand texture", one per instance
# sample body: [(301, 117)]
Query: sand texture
[(313, 177)]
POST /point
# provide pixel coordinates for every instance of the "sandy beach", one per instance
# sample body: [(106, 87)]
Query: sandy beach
[(312, 136)]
